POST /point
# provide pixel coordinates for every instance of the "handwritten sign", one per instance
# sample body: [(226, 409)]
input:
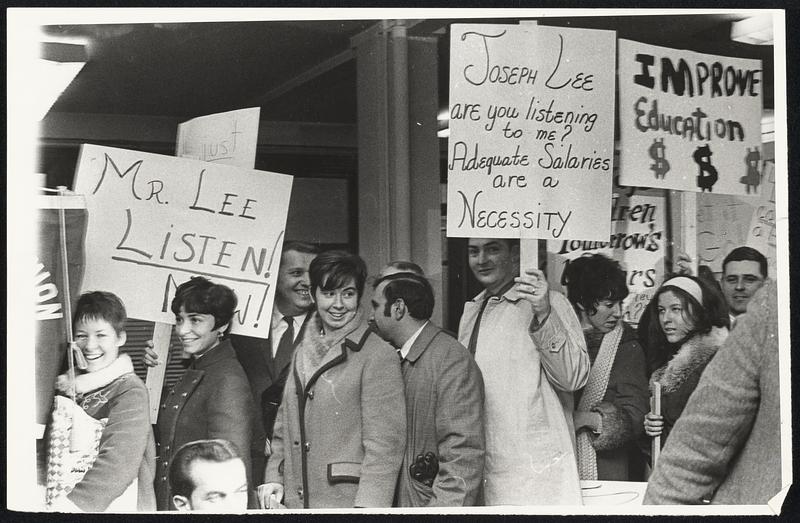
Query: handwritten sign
[(230, 138), (762, 233), (154, 221), (531, 146), (689, 121), (725, 222), (637, 241)]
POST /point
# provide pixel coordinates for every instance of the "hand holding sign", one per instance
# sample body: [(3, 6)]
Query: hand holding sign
[(533, 286)]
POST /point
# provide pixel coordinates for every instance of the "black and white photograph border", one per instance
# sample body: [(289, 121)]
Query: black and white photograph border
[(25, 112)]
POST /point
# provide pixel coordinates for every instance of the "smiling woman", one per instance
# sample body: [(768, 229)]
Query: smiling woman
[(339, 435), (212, 400), (121, 476)]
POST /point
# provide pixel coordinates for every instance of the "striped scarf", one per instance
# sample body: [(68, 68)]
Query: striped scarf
[(593, 394)]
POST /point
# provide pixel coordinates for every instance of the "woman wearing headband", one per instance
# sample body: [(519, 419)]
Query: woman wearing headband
[(682, 328)]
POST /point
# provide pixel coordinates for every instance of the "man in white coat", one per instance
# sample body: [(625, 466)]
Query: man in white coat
[(529, 346)]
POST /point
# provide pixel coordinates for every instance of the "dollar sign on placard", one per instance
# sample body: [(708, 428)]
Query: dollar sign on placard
[(707, 176), (753, 177), (660, 165)]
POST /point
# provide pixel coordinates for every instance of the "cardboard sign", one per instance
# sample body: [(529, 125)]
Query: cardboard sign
[(689, 121), (230, 138), (725, 222), (155, 221), (531, 145), (637, 241)]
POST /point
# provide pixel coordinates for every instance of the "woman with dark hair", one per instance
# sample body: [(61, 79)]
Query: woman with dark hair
[(339, 436), (611, 407), (681, 329), (212, 400)]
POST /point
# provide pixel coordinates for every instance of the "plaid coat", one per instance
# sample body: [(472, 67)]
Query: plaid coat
[(444, 410)]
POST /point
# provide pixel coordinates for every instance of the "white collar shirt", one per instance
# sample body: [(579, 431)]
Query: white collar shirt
[(410, 341), (279, 327)]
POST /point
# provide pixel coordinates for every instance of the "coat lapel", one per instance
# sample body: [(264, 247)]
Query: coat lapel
[(429, 332)]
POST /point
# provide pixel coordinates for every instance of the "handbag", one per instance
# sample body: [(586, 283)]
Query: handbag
[(73, 447)]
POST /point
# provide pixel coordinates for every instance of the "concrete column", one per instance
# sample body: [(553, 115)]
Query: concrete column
[(399, 199)]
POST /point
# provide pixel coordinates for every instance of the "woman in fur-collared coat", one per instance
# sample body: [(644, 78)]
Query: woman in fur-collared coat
[(610, 409), (686, 322)]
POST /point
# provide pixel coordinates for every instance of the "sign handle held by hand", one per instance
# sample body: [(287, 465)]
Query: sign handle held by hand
[(528, 254), (155, 375), (655, 406)]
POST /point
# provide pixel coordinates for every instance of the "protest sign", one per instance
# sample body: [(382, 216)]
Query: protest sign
[(637, 241), (689, 121), (725, 222), (51, 291), (230, 138), (531, 146), (155, 220)]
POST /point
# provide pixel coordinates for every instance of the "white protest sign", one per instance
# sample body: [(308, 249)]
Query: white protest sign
[(689, 121), (637, 241), (230, 138), (725, 222), (531, 142), (155, 221), (762, 233)]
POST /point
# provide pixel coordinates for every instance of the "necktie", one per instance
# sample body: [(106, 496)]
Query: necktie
[(473, 338), (285, 346)]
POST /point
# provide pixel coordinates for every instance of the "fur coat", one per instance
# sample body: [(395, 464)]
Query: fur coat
[(680, 375)]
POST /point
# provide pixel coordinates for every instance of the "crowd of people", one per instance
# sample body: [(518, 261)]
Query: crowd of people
[(357, 399)]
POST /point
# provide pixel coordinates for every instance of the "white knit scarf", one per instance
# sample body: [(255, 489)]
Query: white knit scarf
[(592, 395)]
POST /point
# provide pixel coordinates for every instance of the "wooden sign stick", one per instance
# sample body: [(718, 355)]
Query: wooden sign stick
[(656, 408), (687, 202), (528, 254), (155, 375)]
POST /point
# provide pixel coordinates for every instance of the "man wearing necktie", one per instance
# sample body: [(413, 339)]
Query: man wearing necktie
[(266, 362), (529, 346), (443, 461)]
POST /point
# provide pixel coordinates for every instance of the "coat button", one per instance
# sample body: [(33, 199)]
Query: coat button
[(300, 493), (163, 478), (310, 394), (307, 446)]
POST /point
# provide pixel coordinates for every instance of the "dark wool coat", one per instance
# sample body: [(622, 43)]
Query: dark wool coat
[(211, 400), (444, 407), (624, 405), (339, 440), (255, 356), (726, 447)]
